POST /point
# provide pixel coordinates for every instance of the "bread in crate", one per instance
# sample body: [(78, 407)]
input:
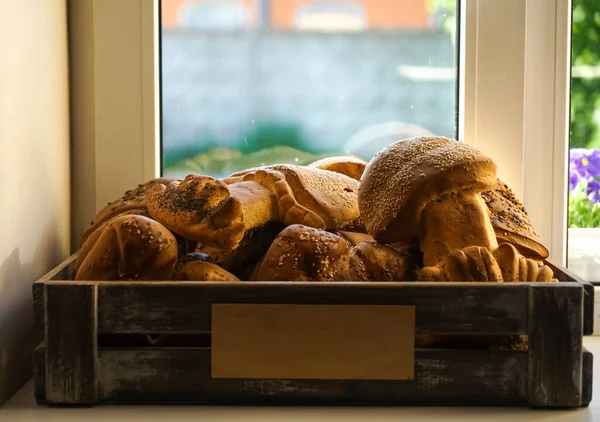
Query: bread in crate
[(363, 236), (423, 209)]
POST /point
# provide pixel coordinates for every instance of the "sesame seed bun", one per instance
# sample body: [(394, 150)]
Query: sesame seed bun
[(128, 247), (401, 180), (132, 200)]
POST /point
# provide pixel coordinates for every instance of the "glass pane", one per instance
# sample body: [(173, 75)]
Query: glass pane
[(584, 163), (254, 82)]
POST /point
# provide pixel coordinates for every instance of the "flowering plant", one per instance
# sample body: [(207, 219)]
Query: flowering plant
[(584, 188)]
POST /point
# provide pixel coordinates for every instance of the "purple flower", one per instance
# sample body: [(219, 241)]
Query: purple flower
[(584, 166), (573, 180), (593, 191)]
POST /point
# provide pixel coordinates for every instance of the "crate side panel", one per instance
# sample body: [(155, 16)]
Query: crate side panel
[(450, 377), (555, 346), (71, 343), (566, 275), (451, 308)]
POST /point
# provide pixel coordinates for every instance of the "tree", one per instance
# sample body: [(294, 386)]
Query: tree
[(585, 92)]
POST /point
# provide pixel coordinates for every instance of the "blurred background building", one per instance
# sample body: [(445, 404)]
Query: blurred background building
[(253, 82)]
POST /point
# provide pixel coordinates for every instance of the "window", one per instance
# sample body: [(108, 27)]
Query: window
[(316, 79), (213, 14), (331, 16), (584, 162), (510, 97)]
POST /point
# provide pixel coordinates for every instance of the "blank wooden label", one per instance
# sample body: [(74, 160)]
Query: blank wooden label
[(367, 342)]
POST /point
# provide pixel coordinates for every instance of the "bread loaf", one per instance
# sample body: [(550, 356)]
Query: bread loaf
[(428, 187), (350, 166), (475, 263), (317, 198), (511, 222), (210, 212), (128, 247), (302, 253), (132, 200), (375, 262)]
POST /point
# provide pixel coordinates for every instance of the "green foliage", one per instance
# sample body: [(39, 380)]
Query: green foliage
[(221, 162), (263, 135), (446, 11), (267, 135), (585, 103), (585, 92), (586, 35), (171, 156), (582, 212)]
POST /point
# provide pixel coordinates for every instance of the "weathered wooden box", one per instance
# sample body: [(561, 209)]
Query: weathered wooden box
[(91, 353)]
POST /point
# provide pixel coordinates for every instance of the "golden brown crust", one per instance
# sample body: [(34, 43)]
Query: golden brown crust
[(473, 263), (302, 253), (375, 262), (511, 222), (92, 238), (546, 274), (516, 267), (203, 271), (350, 166), (401, 180), (432, 274), (356, 226), (259, 204), (328, 198), (354, 238), (508, 259), (289, 209), (200, 208), (476, 263), (128, 247), (132, 200), (452, 223)]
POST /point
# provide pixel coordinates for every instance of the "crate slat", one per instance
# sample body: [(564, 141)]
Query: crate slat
[(450, 377), (71, 343), (555, 345), (39, 373), (69, 367), (63, 271), (494, 309)]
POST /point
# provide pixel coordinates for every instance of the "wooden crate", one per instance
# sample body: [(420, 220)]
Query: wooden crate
[(75, 364)]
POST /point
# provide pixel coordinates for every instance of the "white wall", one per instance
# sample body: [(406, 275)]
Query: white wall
[(34, 169)]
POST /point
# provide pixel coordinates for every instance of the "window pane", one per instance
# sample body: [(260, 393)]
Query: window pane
[(246, 83), (584, 163)]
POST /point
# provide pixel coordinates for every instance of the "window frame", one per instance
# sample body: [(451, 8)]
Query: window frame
[(514, 67)]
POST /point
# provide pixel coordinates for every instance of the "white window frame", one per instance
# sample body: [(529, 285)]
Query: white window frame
[(515, 58)]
